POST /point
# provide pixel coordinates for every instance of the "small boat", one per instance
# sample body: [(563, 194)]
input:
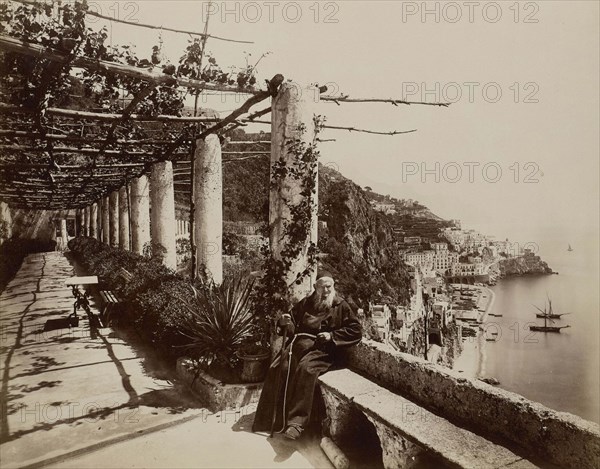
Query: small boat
[(492, 381), (548, 315), (570, 248), (547, 328)]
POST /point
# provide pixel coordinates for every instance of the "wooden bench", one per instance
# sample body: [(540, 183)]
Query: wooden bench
[(409, 435), (110, 299), (125, 275)]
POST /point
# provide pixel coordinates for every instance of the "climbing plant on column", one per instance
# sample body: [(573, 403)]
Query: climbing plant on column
[(272, 296)]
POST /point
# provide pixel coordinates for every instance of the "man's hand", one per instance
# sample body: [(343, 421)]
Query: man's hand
[(322, 337)]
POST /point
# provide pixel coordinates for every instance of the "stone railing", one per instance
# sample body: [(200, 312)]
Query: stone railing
[(242, 228), (555, 437)]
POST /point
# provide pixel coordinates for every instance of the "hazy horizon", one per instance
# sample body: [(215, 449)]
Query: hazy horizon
[(541, 134)]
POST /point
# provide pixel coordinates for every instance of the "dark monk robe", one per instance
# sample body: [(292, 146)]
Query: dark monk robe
[(309, 360)]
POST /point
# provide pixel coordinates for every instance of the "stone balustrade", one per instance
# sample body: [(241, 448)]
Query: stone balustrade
[(554, 437)]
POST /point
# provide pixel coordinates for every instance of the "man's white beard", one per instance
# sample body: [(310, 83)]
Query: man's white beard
[(327, 301)]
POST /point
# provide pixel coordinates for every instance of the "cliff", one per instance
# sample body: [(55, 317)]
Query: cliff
[(528, 264), (358, 244)]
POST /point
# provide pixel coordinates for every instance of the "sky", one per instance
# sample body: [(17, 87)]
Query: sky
[(515, 155)]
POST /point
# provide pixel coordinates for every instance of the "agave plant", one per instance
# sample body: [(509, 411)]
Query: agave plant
[(217, 319)]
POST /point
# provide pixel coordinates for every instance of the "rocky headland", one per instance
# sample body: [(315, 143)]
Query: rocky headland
[(527, 264)]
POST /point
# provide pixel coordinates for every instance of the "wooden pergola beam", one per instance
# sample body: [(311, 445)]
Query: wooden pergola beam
[(10, 166), (44, 175), (67, 194), (38, 194), (33, 202), (260, 152), (44, 199), (245, 108), (73, 139), (395, 102), (83, 151), (251, 118), (44, 192), (274, 84), (58, 197), (71, 184), (109, 117), (12, 44)]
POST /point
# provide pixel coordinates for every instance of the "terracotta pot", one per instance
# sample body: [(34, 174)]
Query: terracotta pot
[(255, 366)]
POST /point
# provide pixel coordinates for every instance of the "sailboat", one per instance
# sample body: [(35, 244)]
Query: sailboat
[(548, 315), (570, 248)]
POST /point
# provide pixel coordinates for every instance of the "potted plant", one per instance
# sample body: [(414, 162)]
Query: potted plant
[(255, 357), (217, 321), (258, 348), (255, 352)]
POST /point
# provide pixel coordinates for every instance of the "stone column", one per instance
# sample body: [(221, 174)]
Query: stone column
[(140, 213), (64, 235), (208, 204), (86, 221), (162, 218), (79, 223), (123, 219), (6, 224), (94, 215), (289, 110), (114, 219), (106, 220)]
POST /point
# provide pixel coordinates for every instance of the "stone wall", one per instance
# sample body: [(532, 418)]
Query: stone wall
[(37, 224), (214, 394), (556, 437)]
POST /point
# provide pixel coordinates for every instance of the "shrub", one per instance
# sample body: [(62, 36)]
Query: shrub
[(151, 298), (233, 244), (183, 249), (168, 311)]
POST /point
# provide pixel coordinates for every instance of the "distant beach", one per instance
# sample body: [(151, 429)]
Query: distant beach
[(559, 370), (471, 360)]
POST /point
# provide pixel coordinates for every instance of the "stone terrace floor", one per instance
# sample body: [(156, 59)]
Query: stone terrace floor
[(84, 397)]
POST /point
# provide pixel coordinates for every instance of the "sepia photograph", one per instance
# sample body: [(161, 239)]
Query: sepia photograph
[(299, 234)]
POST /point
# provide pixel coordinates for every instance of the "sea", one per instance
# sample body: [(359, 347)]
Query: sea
[(559, 370)]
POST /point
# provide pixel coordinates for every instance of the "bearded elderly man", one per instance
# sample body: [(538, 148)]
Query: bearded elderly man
[(319, 326)]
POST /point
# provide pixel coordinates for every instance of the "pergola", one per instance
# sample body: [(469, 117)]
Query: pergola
[(59, 158)]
